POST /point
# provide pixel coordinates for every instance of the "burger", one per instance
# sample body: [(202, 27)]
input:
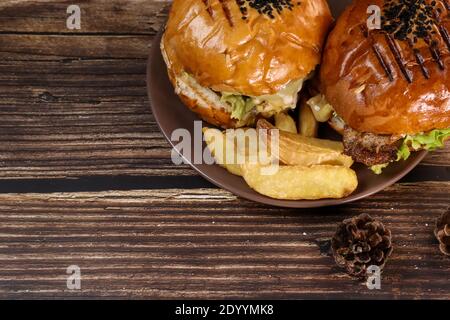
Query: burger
[(386, 86), (233, 60)]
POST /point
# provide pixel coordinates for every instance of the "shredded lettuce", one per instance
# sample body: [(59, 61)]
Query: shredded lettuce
[(426, 141), (378, 169), (240, 105)]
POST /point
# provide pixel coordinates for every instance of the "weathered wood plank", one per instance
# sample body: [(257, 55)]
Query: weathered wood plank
[(73, 104), (100, 16), (68, 46), (207, 243), (119, 29)]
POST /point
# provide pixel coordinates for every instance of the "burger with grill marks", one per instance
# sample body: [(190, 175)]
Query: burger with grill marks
[(387, 88), (231, 60)]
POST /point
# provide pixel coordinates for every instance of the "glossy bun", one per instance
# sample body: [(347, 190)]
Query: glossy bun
[(230, 45), (394, 80)]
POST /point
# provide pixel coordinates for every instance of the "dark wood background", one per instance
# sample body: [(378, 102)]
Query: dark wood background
[(86, 179)]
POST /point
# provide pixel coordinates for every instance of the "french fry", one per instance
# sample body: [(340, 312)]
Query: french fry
[(321, 109), (234, 147), (307, 123), (337, 124), (284, 122), (302, 183), (294, 149), (224, 151)]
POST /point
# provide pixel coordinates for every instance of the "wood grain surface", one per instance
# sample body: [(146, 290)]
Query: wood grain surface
[(86, 179)]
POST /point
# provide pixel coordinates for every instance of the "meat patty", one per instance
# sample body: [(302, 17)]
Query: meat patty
[(369, 148)]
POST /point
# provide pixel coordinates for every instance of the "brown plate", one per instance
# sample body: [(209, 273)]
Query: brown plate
[(171, 114)]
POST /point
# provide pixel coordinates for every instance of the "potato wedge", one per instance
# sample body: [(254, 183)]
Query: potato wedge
[(234, 147), (308, 142), (295, 149), (290, 157), (284, 122), (320, 107), (307, 123), (302, 183), (223, 150)]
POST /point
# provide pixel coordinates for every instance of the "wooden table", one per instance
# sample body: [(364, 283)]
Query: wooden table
[(87, 180)]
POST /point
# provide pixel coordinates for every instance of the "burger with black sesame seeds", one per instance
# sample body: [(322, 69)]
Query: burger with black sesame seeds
[(233, 60), (387, 89)]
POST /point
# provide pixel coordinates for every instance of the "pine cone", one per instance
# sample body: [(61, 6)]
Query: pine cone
[(442, 232), (360, 242)]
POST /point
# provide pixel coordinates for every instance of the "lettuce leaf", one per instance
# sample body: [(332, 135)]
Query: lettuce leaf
[(428, 141), (240, 105)]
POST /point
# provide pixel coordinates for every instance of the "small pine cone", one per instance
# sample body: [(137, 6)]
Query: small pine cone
[(442, 232), (360, 242)]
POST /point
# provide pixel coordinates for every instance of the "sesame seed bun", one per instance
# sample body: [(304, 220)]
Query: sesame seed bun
[(231, 46), (394, 80)]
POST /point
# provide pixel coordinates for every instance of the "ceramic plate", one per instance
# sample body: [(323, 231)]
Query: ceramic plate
[(171, 114)]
